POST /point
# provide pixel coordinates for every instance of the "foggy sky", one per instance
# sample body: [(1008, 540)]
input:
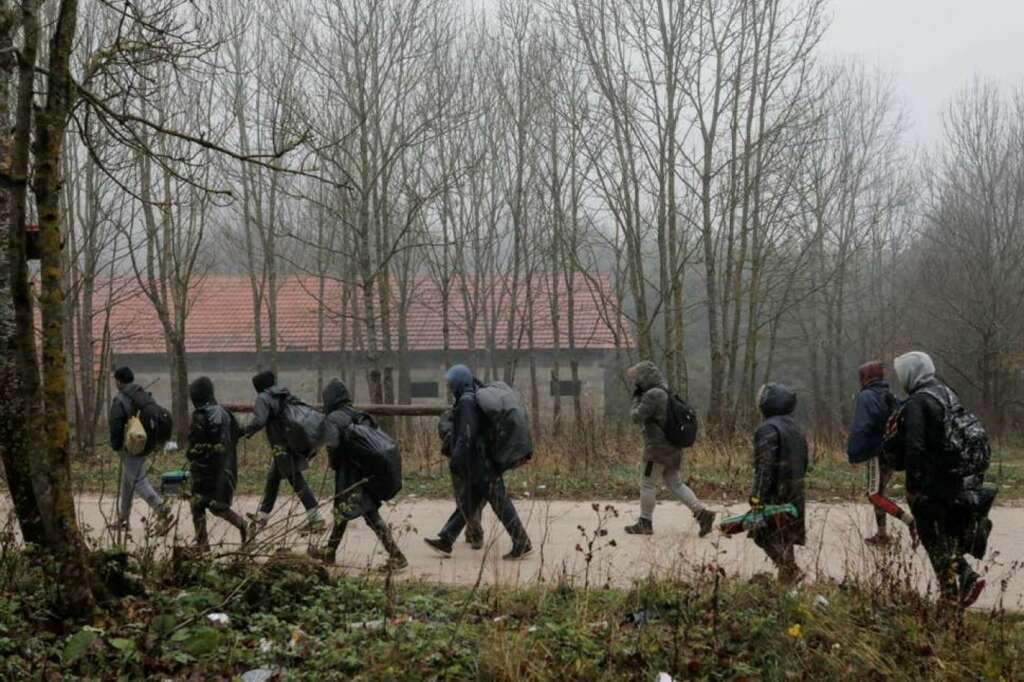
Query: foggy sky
[(934, 48)]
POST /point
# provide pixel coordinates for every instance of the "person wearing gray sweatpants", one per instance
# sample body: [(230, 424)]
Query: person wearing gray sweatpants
[(130, 396), (662, 460)]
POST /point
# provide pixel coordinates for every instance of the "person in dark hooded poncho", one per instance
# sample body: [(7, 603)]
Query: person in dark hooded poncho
[(347, 473), (269, 414), (780, 464), (470, 461), (213, 460)]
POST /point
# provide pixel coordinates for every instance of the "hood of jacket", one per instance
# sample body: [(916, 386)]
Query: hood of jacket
[(460, 380), (201, 392), (775, 400), (336, 396), (913, 370), (646, 376)]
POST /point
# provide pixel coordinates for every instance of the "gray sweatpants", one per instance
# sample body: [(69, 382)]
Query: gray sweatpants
[(134, 482), (649, 489)]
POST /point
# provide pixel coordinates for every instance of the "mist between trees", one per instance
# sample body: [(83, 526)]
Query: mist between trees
[(757, 205)]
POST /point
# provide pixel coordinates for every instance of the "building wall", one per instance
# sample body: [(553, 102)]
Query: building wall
[(232, 377)]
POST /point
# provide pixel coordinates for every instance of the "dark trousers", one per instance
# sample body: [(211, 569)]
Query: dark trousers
[(374, 521), (349, 504), (200, 505), (940, 528), (471, 505), (456, 522), (280, 470), (780, 548)]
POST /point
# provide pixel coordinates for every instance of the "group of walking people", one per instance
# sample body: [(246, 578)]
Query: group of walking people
[(929, 435)]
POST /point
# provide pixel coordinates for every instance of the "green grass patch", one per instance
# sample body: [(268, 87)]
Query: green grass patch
[(291, 617)]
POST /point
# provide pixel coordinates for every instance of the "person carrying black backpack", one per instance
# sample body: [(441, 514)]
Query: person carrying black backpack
[(355, 466), (663, 453), (934, 484), (213, 461), (288, 461), (130, 402)]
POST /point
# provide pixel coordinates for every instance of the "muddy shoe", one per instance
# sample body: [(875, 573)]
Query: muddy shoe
[(706, 520), (439, 545), (324, 554), (879, 540), (394, 563), (519, 551), (641, 527), (257, 522)]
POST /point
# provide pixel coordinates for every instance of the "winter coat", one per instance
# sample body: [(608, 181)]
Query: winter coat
[(780, 460), (268, 413), (127, 403), (212, 452), (339, 412), (874, 405), (649, 410), (924, 432), (469, 456)]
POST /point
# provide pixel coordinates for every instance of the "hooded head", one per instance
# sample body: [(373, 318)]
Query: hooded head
[(459, 379), (336, 395), (645, 375), (201, 392), (776, 399), (263, 381), (871, 371), (123, 376), (914, 369)]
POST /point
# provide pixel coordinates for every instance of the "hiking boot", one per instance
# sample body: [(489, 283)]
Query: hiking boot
[(641, 527), (395, 562), (324, 554), (879, 539), (519, 551), (706, 520), (440, 545)]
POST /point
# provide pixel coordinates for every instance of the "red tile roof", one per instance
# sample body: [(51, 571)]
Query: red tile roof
[(221, 317)]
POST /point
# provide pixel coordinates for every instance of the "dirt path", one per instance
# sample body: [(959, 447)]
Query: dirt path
[(835, 548)]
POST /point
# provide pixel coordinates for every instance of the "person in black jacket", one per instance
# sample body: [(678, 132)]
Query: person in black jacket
[(780, 464), (213, 461), (353, 503), (268, 413), (129, 400), (874, 405), (455, 523), (932, 487), (471, 462)]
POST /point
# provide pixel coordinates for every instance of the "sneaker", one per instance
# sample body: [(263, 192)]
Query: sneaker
[(641, 527), (972, 589), (706, 519), (519, 551), (394, 563), (324, 554), (879, 540), (257, 522), (439, 545)]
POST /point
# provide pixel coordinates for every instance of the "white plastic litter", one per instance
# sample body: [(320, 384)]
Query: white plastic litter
[(664, 677), (266, 646), (821, 601), (221, 620), (259, 675), (171, 446)]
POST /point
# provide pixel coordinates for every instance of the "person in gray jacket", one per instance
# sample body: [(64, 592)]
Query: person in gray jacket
[(662, 460)]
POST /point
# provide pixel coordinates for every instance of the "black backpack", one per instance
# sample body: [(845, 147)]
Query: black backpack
[(156, 420), (680, 422), (375, 454), (303, 426), (967, 447)]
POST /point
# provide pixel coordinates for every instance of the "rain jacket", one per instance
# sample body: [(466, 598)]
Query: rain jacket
[(469, 459), (649, 409), (874, 405), (212, 445), (780, 459), (268, 413)]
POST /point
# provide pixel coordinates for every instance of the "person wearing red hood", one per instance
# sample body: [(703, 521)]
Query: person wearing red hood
[(874, 405)]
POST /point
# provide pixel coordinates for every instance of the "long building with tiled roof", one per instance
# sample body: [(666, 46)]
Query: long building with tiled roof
[(221, 335)]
